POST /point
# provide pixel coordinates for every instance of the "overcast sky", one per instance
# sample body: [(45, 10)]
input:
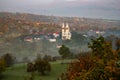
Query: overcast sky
[(109, 9)]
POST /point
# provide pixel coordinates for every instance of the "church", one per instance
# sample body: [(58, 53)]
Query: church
[(66, 34)]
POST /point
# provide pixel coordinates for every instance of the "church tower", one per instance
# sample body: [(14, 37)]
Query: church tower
[(66, 34)]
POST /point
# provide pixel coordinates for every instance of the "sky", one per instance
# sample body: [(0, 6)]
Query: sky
[(105, 9)]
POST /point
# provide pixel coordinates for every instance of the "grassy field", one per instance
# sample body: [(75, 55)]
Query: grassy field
[(18, 72)]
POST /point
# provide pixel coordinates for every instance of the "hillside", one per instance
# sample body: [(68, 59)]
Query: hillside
[(14, 27), (76, 23)]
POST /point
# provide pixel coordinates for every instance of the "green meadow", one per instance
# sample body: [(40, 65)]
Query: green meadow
[(18, 72)]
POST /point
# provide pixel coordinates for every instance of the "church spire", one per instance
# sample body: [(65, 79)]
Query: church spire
[(67, 26), (66, 34), (63, 25)]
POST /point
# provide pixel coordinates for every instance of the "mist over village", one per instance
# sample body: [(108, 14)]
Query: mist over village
[(59, 40)]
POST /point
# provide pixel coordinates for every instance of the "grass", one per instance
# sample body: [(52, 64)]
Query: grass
[(18, 72)]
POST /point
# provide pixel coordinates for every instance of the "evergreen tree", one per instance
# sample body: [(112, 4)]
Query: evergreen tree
[(64, 51)]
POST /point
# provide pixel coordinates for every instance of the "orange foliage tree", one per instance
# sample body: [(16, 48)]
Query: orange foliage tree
[(98, 65)]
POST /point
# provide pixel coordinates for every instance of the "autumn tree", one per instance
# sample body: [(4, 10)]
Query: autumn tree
[(98, 65), (118, 48), (9, 59), (2, 67), (101, 49), (118, 44), (105, 58)]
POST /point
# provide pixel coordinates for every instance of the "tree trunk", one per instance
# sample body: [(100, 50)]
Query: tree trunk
[(43, 73)]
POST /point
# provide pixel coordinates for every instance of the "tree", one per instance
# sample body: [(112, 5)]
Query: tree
[(118, 44), (2, 67), (30, 67), (118, 48), (42, 66), (47, 58), (64, 51), (9, 59), (98, 65), (101, 49), (25, 59)]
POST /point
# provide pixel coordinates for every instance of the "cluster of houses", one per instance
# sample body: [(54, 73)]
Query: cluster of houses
[(37, 37), (65, 34), (95, 33)]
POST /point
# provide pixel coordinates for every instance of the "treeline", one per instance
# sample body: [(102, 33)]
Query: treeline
[(78, 24), (39, 64)]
